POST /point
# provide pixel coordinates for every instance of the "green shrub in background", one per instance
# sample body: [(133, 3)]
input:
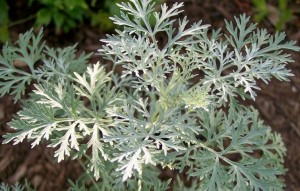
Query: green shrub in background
[(262, 12), (65, 14), (68, 14), (285, 14), (4, 20)]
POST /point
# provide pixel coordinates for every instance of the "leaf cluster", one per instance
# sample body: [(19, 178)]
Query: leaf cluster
[(16, 187), (174, 105)]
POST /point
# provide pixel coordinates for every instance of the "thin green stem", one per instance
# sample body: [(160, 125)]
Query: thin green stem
[(21, 21)]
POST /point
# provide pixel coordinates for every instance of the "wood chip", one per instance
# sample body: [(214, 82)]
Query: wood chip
[(20, 63)]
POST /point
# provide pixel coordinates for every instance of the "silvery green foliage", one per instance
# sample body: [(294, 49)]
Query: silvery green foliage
[(16, 187), (165, 109)]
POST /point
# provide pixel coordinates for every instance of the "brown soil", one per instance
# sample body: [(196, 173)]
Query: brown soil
[(278, 103)]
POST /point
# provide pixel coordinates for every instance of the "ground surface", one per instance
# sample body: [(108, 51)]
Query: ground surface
[(278, 103)]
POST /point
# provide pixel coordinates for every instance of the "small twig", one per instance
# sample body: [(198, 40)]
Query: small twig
[(21, 21), (224, 12), (296, 129)]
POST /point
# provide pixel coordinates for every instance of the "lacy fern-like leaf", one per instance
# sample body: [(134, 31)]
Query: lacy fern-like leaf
[(237, 137), (60, 63), (165, 108), (28, 51), (255, 55)]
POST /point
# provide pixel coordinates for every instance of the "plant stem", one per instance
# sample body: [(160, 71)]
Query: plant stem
[(140, 180), (21, 21)]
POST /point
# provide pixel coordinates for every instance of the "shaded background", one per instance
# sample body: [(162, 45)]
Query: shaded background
[(278, 102)]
